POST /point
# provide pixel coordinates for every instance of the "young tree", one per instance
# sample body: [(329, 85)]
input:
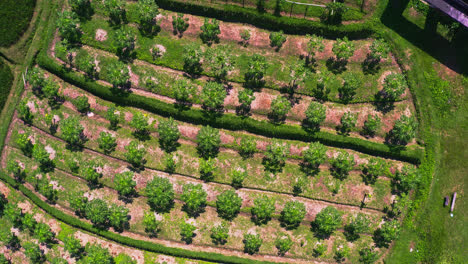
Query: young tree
[(47, 190), (152, 225), (238, 175), (292, 214), (277, 40), (81, 104), (3, 259), (297, 75), (212, 96), (86, 63), (342, 165), (228, 204), (107, 142), (135, 154), (192, 57), (220, 234), (25, 144), (351, 83), (262, 210), (314, 45), (184, 91), (220, 62), (210, 31), (245, 36), (73, 246), (368, 255), (28, 222), (247, 147), (72, 164), (78, 203), (194, 198), (140, 124), (207, 168), (358, 225), (124, 42), (319, 250), (187, 232), (13, 214), (388, 232), (208, 141), (24, 112), (324, 81), (147, 12), (123, 258), (160, 194), (245, 98), (341, 253), (275, 157), (406, 179), (118, 75), (97, 212), (315, 115), (113, 117), (371, 125), (41, 155), (91, 174), (169, 134), (72, 132), (170, 163), (10, 240), (15, 169), (333, 13), (97, 254), (343, 49), (81, 7), (403, 131), (124, 183), (283, 243), (348, 122), (67, 24), (373, 169), (35, 79), (313, 156), (256, 70), (116, 10), (118, 217), (51, 92), (327, 221), (33, 252), (379, 49), (280, 107), (394, 86), (43, 233), (252, 243), (179, 24)]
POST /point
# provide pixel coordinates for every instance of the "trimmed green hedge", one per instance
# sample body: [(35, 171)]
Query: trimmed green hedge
[(14, 19), (268, 21), (227, 121), (139, 244), (6, 80)]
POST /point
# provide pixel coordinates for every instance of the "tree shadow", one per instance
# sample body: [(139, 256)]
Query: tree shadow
[(336, 66)]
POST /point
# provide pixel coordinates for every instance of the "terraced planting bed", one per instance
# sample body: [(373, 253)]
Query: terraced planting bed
[(216, 148)]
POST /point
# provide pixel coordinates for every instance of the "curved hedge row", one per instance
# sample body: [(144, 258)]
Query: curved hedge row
[(227, 121), (268, 21), (139, 244), (6, 80)]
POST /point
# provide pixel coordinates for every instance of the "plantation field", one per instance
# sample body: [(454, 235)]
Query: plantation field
[(144, 135)]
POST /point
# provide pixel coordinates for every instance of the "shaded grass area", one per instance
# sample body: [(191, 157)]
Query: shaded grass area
[(14, 18), (6, 81)]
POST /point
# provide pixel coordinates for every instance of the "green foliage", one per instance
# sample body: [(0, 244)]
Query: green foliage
[(352, 82), (15, 16), (118, 217), (160, 193), (343, 49), (319, 250), (261, 6), (403, 131), (124, 183), (299, 184), (192, 57), (245, 36), (394, 86), (208, 141), (91, 174), (283, 243), (252, 243), (24, 112), (333, 13), (113, 117), (41, 155), (280, 107), (342, 165), (255, 72), (81, 104), (29, 222), (247, 147), (43, 233), (358, 225), (107, 142), (388, 232), (341, 253), (78, 203), (210, 31), (170, 163), (187, 232), (135, 154), (97, 212), (179, 24), (47, 190), (68, 28), (116, 10), (275, 157), (140, 124), (220, 61), (72, 164), (219, 234), (292, 214), (348, 122), (314, 45), (297, 74), (73, 246), (228, 204), (147, 12), (72, 132), (315, 115), (379, 49), (238, 175), (15, 169), (82, 8), (212, 96), (35, 78), (407, 179), (207, 168), (9, 239), (194, 198), (277, 39), (183, 91), (118, 75), (322, 89), (3, 259), (373, 169), (123, 258), (51, 92), (262, 210), (327, 221), (169, 134), (33, 252), (371, 125), (245, 98), (313, 156), (96, 254), (368, 255), (124, 42), (152, 225)]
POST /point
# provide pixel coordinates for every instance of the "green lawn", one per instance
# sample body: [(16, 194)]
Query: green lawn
[(14, 18)]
